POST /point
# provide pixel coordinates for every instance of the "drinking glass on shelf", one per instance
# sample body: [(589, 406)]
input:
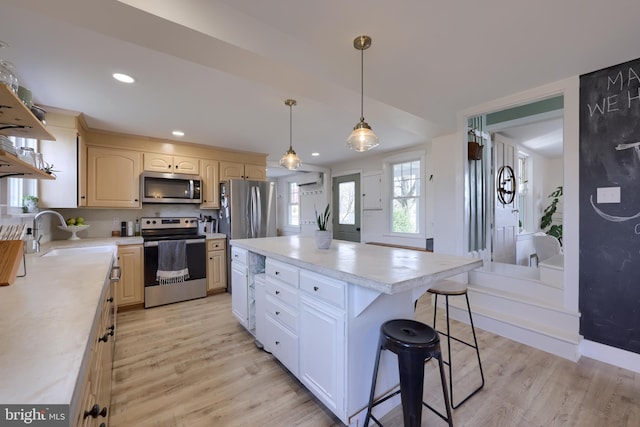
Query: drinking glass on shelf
[(39, 161), (7, 76)]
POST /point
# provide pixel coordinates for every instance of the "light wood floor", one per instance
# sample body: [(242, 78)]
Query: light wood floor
[(191, 364)]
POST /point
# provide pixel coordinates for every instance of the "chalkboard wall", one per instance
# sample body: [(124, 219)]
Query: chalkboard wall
[(610, 230)]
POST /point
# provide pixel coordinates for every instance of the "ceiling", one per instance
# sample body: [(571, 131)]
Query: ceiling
[(220, 70)]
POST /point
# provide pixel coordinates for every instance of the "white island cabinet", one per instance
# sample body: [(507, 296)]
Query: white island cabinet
[(319, 311)]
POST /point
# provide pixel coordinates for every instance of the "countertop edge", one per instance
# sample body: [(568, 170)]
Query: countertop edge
[(367, 282)]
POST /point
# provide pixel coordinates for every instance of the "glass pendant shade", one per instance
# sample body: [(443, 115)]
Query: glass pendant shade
[(362, 138), (290, 160)]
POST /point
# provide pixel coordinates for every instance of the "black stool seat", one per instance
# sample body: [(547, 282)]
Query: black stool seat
[(413, 342), (449, 288)]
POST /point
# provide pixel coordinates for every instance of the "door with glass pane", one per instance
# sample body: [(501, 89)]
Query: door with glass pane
[(346, 208)]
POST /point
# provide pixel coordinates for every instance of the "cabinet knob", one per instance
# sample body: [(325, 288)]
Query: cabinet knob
[(277, 342), (210, 258), (277, 273), (95, 412), (277, 313), (135, 200), (315, 288), (105, 337), (82, 197), (110, 299), (277, 292), (169, 166)]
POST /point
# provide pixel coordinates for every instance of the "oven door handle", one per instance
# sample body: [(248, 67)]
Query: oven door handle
[(189, 242)]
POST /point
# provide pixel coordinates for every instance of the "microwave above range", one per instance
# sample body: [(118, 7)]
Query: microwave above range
[(159, 187)]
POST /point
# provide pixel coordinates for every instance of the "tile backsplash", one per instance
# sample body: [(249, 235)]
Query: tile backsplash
[(101, 221)]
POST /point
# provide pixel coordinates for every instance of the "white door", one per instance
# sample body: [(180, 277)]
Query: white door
[(505, 230)]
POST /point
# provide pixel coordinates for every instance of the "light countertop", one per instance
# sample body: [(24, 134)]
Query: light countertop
[(210, 236), (385, 269), (46, 320)]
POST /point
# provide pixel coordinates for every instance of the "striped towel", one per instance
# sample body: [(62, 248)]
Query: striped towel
[(172, 262)]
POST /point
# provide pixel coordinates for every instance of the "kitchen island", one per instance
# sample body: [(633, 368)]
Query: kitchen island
[(318, 311)]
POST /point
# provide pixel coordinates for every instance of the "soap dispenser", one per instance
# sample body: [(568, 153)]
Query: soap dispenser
[(29, 242)]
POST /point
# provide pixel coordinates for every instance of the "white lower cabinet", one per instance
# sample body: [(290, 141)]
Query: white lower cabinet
[(322, 351), (240, 293), (282, 343), (322, 329)]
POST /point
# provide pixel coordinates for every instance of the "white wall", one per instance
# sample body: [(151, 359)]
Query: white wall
[(375, 223), (312, 198)]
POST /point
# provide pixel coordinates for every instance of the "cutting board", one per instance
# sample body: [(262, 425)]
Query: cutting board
[(10, 257)]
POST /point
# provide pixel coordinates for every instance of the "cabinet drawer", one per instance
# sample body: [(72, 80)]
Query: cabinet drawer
[(215, 245), (330, 290), (282, 343), (287, 315), (282, 271), (239, 255), (282, 292)]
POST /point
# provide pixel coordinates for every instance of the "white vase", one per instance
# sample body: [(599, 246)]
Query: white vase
[(323, 239)]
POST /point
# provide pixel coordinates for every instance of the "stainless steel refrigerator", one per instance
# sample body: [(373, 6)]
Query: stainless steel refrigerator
[(247, 210)]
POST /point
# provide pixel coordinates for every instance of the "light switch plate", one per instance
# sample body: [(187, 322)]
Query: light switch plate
[(608, 195)]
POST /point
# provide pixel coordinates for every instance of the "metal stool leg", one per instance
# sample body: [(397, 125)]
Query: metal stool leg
[(373, 386), (474, 346), (444, 391)]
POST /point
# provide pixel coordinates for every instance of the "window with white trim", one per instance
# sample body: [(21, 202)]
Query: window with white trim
[(406, 203), (525, 202), (293, 205)]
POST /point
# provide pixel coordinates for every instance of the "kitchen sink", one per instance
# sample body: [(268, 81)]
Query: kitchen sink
[(80, 250)]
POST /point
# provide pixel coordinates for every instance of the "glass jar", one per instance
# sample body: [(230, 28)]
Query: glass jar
[(27, 155), (7, 76)]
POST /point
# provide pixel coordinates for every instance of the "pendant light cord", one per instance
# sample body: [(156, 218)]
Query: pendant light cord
[(290, 128), (362, 85)]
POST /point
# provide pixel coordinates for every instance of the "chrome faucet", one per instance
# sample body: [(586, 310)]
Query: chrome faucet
[(35, 225)]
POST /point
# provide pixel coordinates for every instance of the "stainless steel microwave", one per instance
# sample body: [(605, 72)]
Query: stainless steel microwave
[(160, 187)]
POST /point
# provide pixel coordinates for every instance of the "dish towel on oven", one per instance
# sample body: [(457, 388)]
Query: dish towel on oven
[(172, 262)]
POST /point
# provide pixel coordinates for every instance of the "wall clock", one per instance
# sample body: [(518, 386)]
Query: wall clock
[(506, 185)]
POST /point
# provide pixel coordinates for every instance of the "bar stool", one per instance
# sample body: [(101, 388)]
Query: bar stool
[(451, 288), (414, 343)]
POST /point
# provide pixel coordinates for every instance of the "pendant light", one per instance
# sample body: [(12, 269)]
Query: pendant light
[(290, 160), (362, 138)]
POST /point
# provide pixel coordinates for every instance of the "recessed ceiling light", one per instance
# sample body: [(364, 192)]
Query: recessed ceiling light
[(177, 133), (315, 154), (123, 78)]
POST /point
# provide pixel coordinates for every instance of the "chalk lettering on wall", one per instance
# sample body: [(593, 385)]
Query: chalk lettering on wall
[(625, 99), (609, 255)]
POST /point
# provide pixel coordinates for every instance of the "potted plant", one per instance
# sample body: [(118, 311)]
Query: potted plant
[(323, 236), (29, 204), (547, 216)]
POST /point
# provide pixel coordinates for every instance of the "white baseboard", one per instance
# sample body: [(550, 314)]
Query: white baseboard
[(611, 355)]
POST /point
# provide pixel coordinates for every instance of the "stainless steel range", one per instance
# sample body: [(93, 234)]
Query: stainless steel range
[(175, 229)]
